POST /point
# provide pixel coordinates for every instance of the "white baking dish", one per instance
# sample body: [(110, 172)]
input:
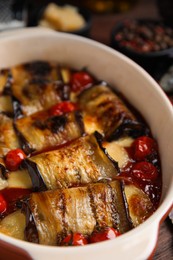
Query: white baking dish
[(140, 90)]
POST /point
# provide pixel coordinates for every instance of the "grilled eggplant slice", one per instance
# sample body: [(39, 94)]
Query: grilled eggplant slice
[(51, 215), (8, 137), (37, 86), (37, 69), (36, 95), (105, 112), (39, 131), (82, 161)]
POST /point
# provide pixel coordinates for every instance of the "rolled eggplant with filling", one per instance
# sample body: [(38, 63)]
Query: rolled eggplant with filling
[(82, 161), (35, 70), (8, 137), (37, 86), (51, 215), (41, 131), (106, 112), (37, 95)]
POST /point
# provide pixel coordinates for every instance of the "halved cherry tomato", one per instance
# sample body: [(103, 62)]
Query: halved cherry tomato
[(3, 204), (75, 239), (106, 234), (80, 80), (61, 108), (143, 146), (14, 158), (145, 171)]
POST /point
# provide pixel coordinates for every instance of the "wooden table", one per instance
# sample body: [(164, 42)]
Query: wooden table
[(101, 30)]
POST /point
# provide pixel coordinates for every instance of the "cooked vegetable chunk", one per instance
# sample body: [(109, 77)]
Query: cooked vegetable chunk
[(37, 86), (39, 131), (35, 70), (105, 112), (82, 161), (80, 209)]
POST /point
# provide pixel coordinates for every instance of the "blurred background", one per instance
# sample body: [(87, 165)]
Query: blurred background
[(104, 13), (24, 10)]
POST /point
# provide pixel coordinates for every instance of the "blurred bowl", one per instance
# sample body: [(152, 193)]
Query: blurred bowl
[(35, 14), (140, 90), (152, 55)]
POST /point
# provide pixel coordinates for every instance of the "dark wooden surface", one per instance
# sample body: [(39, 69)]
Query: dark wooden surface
[(102, 26)]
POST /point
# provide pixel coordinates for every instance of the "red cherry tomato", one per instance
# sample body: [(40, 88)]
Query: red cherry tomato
[(63, 107), (143, 146), (14, 158), (145, 171), (80, 80), (3, 204), (106, 234), (76, 239)]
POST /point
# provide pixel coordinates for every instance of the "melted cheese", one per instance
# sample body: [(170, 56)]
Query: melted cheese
[(13, 225), (140, 206), (116, 150), (19, 179), (3, 184)]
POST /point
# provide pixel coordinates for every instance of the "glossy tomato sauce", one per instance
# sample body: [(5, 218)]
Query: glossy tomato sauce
[(149, 181)]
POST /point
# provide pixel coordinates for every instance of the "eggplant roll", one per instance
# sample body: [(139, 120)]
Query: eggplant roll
[(41, 131), (82, 161), (51, 215), (37, 69), (8, 137), (37, 86), (35, 96), (105, 112)]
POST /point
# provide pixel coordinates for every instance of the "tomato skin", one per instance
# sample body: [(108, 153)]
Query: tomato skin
[(80, 80), (3, 204), (76, 239), (143, 146), (106, 234), (61, 108), (145, 171), (14, 158)]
